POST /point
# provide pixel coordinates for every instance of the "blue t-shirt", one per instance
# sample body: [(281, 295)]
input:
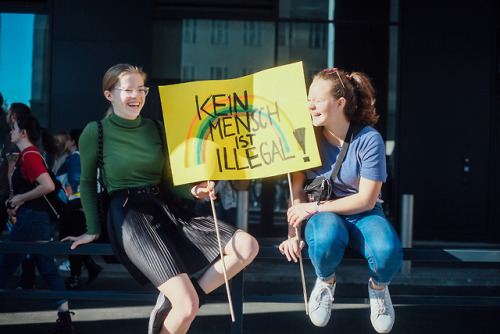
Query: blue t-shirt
[(365, 158)]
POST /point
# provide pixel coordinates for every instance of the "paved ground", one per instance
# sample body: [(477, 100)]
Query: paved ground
[(266, 277), (131, 318)]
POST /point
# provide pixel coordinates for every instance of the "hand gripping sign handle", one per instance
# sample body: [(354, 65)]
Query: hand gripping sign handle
[(222, 258), (297, 236)]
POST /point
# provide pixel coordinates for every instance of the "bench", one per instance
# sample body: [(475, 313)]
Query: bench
[(237, 282)]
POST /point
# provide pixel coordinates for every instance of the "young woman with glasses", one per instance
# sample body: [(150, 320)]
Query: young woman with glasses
[(156, 240), (353, 216)]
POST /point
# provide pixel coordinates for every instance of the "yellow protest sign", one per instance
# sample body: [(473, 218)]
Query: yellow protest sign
[(250, 127)]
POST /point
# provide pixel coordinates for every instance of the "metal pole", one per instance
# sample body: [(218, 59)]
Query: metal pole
[(242, 210), (407, 228)]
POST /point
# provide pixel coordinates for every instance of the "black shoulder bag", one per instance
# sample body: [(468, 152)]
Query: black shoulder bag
[(320, 188)]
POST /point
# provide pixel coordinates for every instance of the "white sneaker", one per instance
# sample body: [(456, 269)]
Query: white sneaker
[(65, 266), (382, 312), (320, 302), (158, 314)]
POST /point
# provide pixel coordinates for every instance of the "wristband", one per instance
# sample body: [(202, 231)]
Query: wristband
[(316, 209)]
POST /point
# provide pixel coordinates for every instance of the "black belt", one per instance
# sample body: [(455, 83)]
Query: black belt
[(155, 190)]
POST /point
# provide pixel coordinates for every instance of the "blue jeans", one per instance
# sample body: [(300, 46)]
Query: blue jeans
[(369, 233), (32, 226)]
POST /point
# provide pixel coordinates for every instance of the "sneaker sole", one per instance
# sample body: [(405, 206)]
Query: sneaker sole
[(152, 317)]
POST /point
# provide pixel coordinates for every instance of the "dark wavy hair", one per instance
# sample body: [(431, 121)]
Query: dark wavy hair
[(358, 92), (18, 108), (34, 131)]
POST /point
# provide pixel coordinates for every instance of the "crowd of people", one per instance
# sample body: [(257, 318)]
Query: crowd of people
[(175, 248)]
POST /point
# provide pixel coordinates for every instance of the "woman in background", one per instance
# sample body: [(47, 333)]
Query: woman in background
[(30, 183)]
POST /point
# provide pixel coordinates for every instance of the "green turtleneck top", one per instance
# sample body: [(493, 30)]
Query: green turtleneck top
[(133, 157)]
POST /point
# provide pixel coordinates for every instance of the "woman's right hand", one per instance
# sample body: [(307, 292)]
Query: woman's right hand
[(203, 190), (83, 239), (291, 248)]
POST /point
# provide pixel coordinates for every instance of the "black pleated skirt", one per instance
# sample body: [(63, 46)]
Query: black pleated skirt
[(156, 240)]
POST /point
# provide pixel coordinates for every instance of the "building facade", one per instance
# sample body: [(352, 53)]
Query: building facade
[(435, 66)]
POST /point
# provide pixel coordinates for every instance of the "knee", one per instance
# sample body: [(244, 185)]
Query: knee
[(246, 247), (188, 315), (388, 254), (253, 248), (186, 310)]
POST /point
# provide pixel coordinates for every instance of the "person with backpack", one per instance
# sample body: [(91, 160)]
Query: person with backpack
[(31, 183), (10, 153), (156, 240), (342, 108)]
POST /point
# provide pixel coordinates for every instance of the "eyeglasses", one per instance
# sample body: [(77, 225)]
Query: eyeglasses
[(143, 91), (334, 70)]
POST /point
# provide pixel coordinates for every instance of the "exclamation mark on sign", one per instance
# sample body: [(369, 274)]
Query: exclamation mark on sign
[(300, 135)]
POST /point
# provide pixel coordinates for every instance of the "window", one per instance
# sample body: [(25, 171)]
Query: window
[(211, 54), (24, 61), (229, 43), (286, 36), (219, 32), (218, 72), (252, 33), (188, 73), (189, 31), (16, 57), (317, 36)]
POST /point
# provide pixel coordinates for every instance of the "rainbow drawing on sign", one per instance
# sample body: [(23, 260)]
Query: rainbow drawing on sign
[(200, 128)]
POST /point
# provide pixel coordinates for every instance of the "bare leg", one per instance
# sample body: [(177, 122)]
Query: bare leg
[(238, 253), (181, 293)]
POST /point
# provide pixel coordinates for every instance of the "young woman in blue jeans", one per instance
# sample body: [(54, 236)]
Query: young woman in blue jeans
[(353, 216), (30, 182)]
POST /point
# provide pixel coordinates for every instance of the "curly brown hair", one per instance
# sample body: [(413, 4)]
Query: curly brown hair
[(357, 90)]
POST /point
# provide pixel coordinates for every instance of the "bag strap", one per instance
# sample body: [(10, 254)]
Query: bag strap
[(100, 168), (44, 162), (352, 132), (49, 171), (100, 160), (160, 134)]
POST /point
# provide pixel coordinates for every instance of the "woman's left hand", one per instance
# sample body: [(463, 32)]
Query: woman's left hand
[(291, 248), (16, 202), (82, 239), (299, 212), (204, 189)]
